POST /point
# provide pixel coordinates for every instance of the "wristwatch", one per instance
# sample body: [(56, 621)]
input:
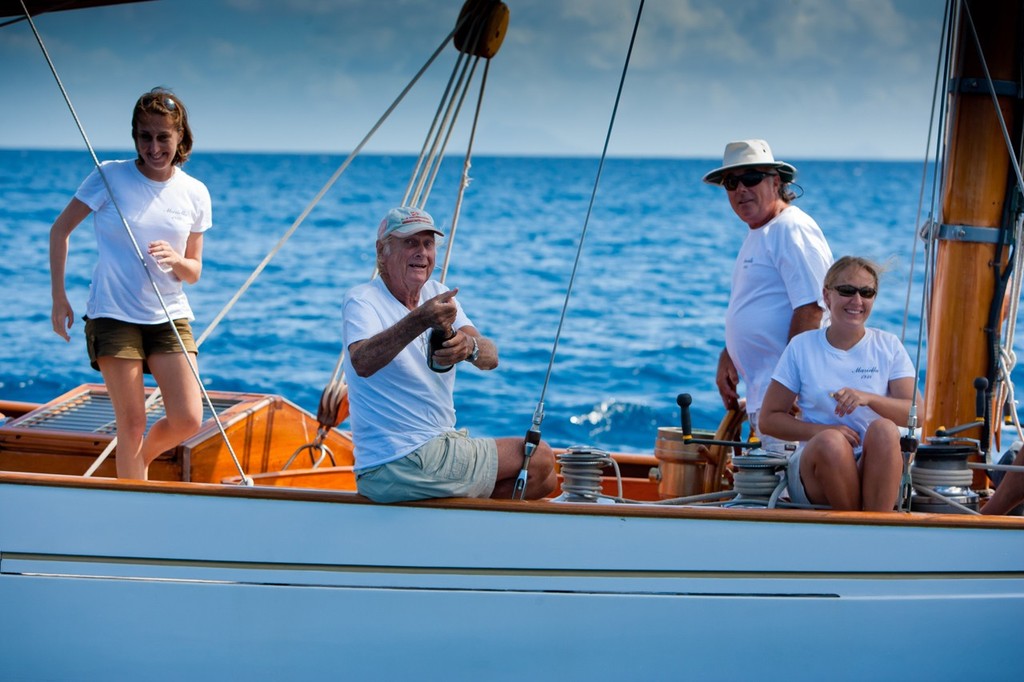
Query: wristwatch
[(476, 350)]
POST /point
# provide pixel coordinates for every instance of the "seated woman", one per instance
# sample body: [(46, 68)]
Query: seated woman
[(854, 386)]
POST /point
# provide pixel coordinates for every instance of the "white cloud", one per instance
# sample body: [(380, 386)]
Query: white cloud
[(702, 72)]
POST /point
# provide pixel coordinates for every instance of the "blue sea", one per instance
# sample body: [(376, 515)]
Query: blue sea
[(644, 321)]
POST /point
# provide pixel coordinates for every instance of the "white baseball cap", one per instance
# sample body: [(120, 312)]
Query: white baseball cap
[(406, 220)]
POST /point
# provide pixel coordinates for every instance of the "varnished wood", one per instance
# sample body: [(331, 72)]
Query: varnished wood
[(11, 409), (974, 194), (264, 437), (264, 432), (322, 478), (76, 464)]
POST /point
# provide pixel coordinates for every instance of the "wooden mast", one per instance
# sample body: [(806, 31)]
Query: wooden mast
[(978, 173)]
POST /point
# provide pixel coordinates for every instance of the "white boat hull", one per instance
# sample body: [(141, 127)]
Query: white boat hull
[(156, 581)]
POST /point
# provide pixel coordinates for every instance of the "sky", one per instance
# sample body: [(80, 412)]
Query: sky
[(829, 79)]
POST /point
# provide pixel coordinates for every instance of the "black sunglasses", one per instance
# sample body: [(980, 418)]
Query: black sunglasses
[(848, 290), (749, 179)]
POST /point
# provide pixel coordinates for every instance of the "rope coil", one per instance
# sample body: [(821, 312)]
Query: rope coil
[(582, 469)]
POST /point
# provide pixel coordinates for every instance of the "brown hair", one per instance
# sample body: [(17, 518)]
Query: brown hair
[(786, 193), (163, 102), (846, 262)]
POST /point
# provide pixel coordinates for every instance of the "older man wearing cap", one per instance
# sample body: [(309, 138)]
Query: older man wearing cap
[(777, 280), (402, 410)]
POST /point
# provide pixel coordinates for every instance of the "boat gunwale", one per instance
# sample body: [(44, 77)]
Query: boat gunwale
[(732, 514)]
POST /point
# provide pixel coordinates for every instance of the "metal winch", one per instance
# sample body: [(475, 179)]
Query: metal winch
[(581, 467), (943, 469)]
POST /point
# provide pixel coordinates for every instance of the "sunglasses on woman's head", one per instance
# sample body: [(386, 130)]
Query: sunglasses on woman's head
[(168, 103), (848, 290), (749, 179)]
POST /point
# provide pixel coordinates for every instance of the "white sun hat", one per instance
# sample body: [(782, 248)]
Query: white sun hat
[(749, 154)]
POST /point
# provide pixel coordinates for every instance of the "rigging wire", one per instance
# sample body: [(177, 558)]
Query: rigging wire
[(434, 132), (429, 162), (439, 157), (429, 149), (533, 434), (590, 210), (941, 65), (138, 252)]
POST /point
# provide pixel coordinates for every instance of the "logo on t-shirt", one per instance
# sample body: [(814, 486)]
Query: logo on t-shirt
[(866, 373)]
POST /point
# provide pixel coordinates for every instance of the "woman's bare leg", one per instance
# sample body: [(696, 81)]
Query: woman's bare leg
[(123, 378)]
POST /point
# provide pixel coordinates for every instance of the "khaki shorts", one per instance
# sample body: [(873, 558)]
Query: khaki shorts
[(451, 465), (106, 337)]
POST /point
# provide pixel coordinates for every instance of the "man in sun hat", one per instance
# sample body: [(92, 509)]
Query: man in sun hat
[(402, 411), (777, 279)]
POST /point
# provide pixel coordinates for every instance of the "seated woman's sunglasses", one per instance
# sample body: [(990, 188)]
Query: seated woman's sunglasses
[(848, 290)]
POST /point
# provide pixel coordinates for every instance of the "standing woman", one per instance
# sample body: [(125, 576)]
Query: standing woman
[(854, 386), (127, 330)]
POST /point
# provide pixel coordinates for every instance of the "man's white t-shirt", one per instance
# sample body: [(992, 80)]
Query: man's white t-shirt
[(405, 403), (780, 267)]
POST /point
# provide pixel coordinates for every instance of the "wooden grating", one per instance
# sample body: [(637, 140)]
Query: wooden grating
[(92, 412)]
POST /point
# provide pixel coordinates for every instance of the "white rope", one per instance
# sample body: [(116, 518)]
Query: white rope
[(421, 159), (442, 124), (444, 145), (432, 153), (581, 473), (1007, 356), (996, 467), (466, 165), (934, 478)]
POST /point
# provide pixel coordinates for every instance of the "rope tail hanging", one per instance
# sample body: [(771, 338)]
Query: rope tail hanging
[(479, 32), (532, 439)]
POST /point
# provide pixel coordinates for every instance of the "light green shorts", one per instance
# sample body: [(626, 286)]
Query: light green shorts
[(451, 465)]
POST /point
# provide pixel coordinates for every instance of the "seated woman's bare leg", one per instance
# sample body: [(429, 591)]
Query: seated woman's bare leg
[(881, 466), (829, 471)]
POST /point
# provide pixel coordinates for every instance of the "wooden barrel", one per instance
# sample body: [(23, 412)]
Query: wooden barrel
[(686, 469)]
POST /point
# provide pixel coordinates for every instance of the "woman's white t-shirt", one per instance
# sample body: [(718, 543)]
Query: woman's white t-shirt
[(169, 210)]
